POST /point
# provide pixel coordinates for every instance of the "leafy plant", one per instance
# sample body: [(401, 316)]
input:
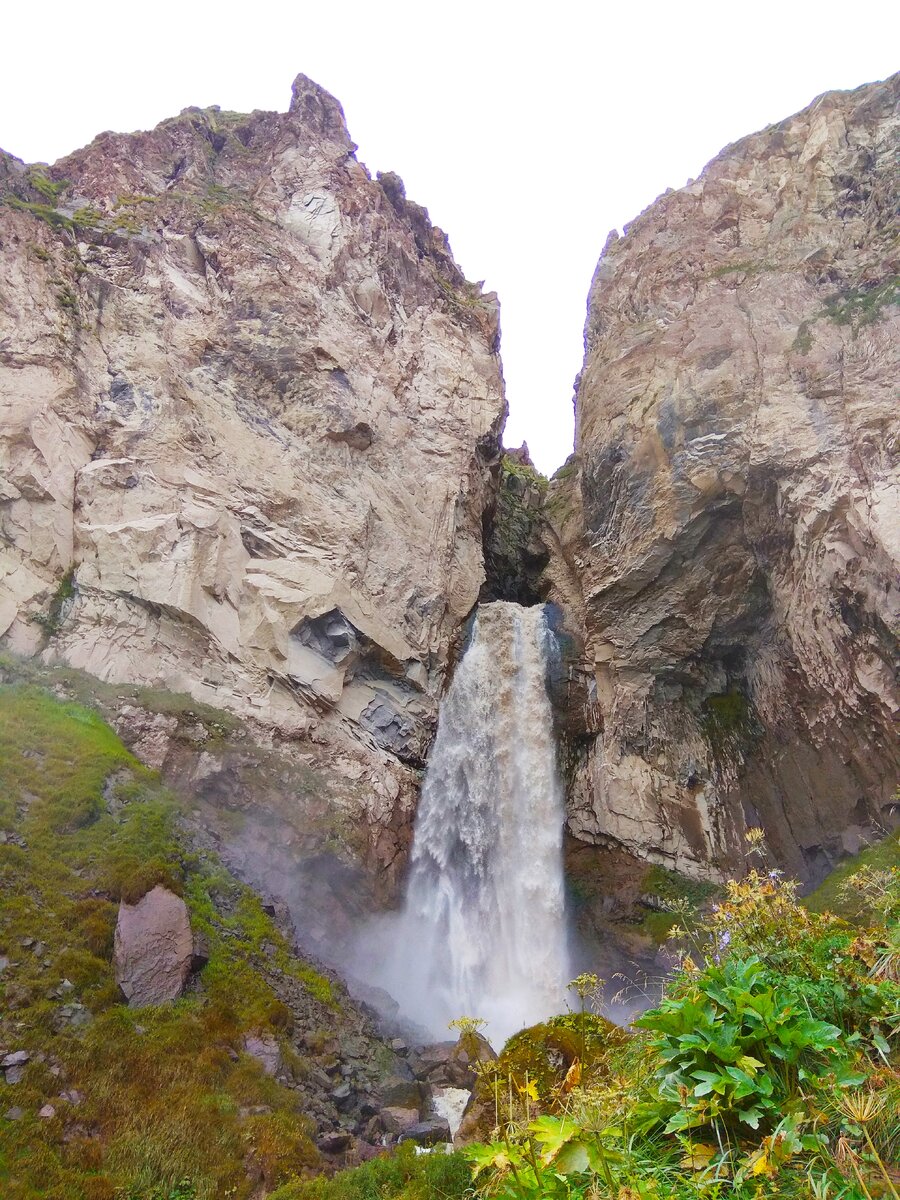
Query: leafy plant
[(734, 1049)]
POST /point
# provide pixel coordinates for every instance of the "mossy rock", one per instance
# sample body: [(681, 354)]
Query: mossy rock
[(539, 1058), (545, 1052)]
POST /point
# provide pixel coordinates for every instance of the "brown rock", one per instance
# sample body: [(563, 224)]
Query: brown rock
[(394, 1118), (153, 948)]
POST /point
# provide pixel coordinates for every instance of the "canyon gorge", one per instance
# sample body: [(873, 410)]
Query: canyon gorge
[(256, 510)]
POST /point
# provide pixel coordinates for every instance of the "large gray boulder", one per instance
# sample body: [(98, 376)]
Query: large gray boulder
[(153, 948)]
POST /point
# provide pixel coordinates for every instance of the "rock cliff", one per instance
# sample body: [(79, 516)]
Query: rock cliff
[(727, 536), (249, 412)]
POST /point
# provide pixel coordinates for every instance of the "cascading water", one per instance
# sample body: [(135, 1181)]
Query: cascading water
[(483, 930)]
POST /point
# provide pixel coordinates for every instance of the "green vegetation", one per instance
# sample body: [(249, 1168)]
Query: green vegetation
[(680, 899), (672, 887), (531, 475), (512, 552), (50, 189), (745, 267), (802, 343), (44, 212), (567, 470), (39, 253), (771, 1067), (863, 305), (50, 620), (151, 1103), (403, 1175), (833, 894), (728, 722)]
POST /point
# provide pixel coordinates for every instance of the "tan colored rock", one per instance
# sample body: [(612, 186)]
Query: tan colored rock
[(732, 517), (248, 398), (153, 948)]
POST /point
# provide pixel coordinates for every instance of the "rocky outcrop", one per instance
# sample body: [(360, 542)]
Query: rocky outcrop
[(514, 550), (153, 948), (727, 536), (249, 411)]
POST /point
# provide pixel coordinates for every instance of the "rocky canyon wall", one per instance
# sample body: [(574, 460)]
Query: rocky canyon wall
[(249, 414), (726, 539)]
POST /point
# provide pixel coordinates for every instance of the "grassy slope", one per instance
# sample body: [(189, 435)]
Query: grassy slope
[(164, 1090), (828, 898)]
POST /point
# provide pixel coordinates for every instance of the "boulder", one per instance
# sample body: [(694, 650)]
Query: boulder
[(405, 1093), (265, 1050), (153, 948), (432, 1132), (334, 1142), (450, 1064), (396, 1119)]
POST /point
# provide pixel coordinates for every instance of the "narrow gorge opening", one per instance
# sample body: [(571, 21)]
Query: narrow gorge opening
[(483, 929)]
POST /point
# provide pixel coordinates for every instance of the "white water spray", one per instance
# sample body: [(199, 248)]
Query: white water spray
[(483, 930)]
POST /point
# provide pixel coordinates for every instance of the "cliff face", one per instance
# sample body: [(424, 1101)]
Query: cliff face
[(249, 408), (730, 526)]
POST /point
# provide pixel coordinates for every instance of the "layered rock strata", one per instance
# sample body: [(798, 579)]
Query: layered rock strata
[(249, 411), (728, 533)]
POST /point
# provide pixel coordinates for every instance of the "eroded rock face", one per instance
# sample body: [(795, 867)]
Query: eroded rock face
[(153, 948), (730, 526), (249, 409)]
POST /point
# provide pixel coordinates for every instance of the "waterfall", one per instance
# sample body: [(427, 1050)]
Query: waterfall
[(482, 933)]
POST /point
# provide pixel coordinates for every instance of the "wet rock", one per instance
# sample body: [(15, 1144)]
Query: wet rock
[(334, 1142), (449, 1064), (199, 951), (427, 1133), (404, 1093), (153, 948)]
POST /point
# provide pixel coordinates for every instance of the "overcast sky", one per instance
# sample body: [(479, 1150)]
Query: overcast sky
[(529, 131)]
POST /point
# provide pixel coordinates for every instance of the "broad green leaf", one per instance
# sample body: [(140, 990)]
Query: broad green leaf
[(573, 1159), (552, 1133)]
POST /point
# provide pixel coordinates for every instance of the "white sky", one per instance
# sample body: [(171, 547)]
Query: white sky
[(529, 131)]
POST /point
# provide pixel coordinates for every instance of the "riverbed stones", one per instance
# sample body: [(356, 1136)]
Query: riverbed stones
[(153, 948)]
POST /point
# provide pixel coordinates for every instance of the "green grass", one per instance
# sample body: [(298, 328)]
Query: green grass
[(163, 1088), (828, 896), (401, 1175)]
